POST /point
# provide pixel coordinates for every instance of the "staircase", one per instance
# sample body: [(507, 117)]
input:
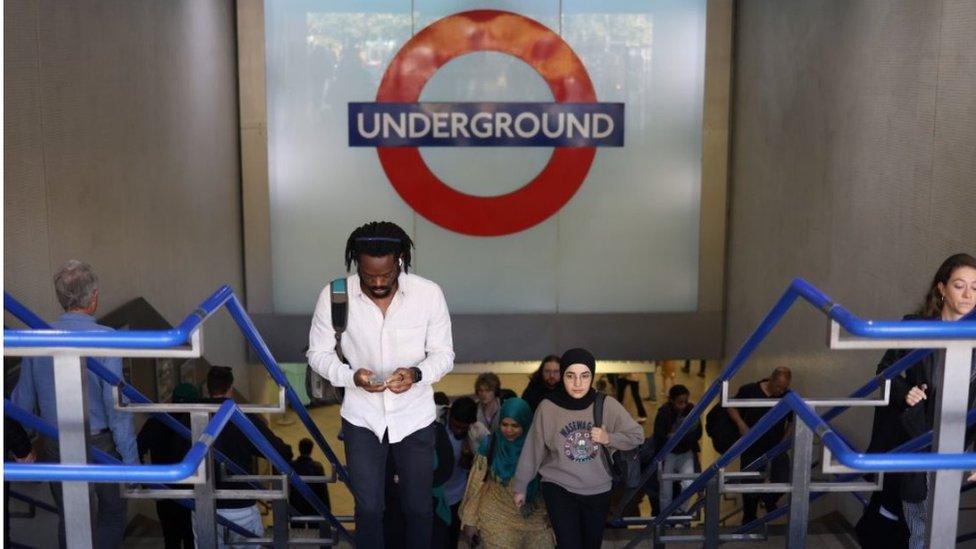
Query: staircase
[(841, 467)]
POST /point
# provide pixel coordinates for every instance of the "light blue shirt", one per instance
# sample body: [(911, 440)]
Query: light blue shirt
[(454, 487), (35, 391)]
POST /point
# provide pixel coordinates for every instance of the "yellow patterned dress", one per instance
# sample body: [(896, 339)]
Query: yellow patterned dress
[(490, 507)]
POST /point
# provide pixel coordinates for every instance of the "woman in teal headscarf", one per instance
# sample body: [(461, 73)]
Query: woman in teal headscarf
[(488, 505)]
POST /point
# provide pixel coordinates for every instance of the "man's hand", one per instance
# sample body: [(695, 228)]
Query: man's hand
[(400, 381), (29, 458), (361, 379), (600, 435), (916, 395), (743, 428), (972, 477)]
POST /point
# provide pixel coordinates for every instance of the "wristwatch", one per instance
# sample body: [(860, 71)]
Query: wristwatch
[(417, 374)]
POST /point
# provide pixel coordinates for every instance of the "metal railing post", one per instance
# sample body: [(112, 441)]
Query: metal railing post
[(279, 512), (951, 378), (326, 532), (204, 515), (71, 389), (800, 481), (713, 513)]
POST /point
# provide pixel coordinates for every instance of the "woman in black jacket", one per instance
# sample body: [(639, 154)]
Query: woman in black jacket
[(951, 295)]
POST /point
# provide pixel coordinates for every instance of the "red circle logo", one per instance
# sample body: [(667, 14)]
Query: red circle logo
[(547, 54)]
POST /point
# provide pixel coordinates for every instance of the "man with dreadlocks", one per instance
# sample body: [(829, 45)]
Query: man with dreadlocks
[(397, 344)]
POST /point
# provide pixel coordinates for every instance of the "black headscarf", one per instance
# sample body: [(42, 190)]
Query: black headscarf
[(563, 399)]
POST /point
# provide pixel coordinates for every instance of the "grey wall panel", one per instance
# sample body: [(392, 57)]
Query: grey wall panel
[(25, 197), (121, 148), (852, 166)]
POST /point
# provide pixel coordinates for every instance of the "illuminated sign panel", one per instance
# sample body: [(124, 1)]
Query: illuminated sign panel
[(511, 228)]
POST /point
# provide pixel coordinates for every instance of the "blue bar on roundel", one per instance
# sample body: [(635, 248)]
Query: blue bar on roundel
[(486, 124)]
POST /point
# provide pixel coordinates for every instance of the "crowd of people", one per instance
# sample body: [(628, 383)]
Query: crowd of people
[(492, 468)]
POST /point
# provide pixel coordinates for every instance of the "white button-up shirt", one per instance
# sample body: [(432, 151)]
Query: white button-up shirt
[(416, 331)]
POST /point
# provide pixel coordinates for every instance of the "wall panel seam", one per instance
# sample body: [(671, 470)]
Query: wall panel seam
[(40, 123), (935, 117)]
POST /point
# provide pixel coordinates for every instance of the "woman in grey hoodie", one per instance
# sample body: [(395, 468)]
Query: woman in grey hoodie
[(563, 447)]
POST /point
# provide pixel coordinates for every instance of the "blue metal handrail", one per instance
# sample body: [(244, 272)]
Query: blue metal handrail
[(174, 472), (156, 339), (916, 444), (799, 288), (31, 320), (916, 329), (281, 464), (792, 402), (872, 385), (223, 297), (228, 411), (889, 461), (31, 421), (129, 339)]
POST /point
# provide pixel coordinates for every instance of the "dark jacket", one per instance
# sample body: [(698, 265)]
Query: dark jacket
[(668, 418), (535, 392), (445, 455), (163, 444), (751, 416), (917, 420), (306, 466), (238, 448), (898, 423), (15, 438), (887, 431)]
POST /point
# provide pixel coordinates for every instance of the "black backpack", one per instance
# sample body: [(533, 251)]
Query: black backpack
[(720, 428), (624, 465), (319, 390)]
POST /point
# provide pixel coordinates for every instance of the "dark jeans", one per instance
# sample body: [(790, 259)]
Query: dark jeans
[(779, 471), (446, 536), (6, 514), (622, 384), (176, 523), (366, 462), (110, 513), (577, 520)]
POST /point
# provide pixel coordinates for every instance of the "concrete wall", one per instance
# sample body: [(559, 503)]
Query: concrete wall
[(853, 166), (121, 148)]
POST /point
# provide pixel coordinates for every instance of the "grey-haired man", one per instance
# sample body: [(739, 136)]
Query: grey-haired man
[(112, 431)]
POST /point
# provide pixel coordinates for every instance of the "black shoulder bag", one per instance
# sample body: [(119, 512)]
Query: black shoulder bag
[(623, 465)]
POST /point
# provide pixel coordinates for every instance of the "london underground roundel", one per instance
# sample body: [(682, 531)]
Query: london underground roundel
[(574, 125)]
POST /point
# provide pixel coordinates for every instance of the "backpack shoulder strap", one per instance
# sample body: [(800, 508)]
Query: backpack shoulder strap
[(340, 304), (601, 397), (598, 409), (339, 300)]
